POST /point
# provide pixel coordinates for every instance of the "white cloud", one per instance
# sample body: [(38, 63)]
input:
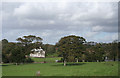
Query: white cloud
[(53, 20), (86, 14), (97, 28)]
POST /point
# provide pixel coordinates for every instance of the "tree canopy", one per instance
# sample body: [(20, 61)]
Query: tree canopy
[(71, 47)]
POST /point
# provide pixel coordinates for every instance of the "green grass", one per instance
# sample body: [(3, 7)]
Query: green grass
[(57, 69), (46, 59)]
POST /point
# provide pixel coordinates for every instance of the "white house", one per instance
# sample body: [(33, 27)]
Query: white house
[(38, 53)]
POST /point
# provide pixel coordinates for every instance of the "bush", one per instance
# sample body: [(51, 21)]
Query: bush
[(28, 60)]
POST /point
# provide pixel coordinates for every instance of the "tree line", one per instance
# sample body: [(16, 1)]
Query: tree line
[(71, 48), (74, 48)]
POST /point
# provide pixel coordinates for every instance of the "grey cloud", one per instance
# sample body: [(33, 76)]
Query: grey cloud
[(54, 20)]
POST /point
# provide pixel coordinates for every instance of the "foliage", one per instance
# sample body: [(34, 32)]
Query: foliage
[(49, 49), (70, 47), (30, 42), (26, 40), (17, 55)]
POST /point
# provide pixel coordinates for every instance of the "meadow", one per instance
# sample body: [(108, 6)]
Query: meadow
[(48, 59), (57, 69)]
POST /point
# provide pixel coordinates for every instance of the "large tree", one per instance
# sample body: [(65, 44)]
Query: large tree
[(6, 50), (13, 52), (114, 50), (17, 55), (30, 42), (70, 47), (26, 40)]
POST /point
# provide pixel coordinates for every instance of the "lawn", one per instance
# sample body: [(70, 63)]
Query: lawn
[(48, 59), (57, 69)]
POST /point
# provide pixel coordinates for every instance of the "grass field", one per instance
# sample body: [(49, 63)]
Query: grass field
[(57, 69), (48, 59)]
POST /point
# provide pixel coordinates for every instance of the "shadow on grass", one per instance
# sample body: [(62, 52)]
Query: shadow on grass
[(4, 65), (70, 64), (8, 64)]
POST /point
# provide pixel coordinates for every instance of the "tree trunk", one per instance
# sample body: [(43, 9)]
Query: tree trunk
[(64, 62), (77, 60), (83, 60), (16, 64), (114, 58), (97, 60)]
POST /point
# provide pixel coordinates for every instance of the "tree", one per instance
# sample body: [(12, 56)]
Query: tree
[(13, 53), (99, 52), (118, 51), (26, 40), (3, 44), (111, 50), (18, 55), (6, 51), (30, 42), (4, 41), (49, 49), (114, 50), (70, 47)]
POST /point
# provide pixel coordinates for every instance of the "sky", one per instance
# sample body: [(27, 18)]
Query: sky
[(95, 21)]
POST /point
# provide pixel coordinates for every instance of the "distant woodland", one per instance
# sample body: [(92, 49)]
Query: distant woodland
[(71, 48)]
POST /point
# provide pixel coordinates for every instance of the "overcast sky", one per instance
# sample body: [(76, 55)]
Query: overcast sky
[(95, 21)]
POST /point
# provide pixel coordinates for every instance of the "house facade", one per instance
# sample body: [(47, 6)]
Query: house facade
[(39, 52)]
